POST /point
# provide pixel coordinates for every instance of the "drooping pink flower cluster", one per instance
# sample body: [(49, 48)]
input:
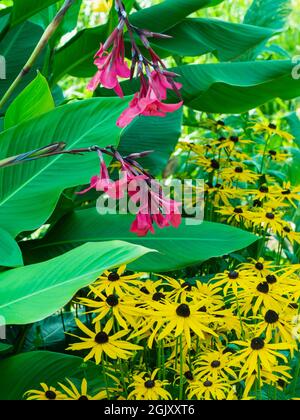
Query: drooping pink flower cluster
[(155, 79), (145, 194)]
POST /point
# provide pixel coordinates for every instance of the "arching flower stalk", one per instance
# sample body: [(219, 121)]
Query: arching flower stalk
[(155, 79)]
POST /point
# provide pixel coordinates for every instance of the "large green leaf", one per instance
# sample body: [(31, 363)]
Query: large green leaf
[(228, 41), (76, 57), (178, 248), (26, 371), (30, 191), (237, 87), (30, 294), (16, 47), (35, 100), (232, 87), (268, 13), (22, 10), (153, 133), (10, 253)]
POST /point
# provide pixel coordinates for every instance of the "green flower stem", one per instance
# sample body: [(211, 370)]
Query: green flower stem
[(181, 370), (50, 30)]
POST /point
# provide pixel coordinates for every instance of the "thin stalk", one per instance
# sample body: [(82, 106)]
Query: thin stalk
[(181, 370), (50, 30), (259, 393)]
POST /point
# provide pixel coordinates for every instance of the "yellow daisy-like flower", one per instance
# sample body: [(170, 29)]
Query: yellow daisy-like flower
[(208, 296), (258, 268), (277, 156), (48, 393), (101, 342), (103, 6), (209, 165), (116, 282), (264, 192), (221, 193), (231, 280), (123, 309), (258, 296), (289, 193), (233, 141), (209, 389), (176, 319), (146, 387), (275, 324), (258, 352), (271, 129), (237, 215), (268, 219), (287, 232), (238, 173), (215, 364), (74, 394), (279, 375), (181, 289)]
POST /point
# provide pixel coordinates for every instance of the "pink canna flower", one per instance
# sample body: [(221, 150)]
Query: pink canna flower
[(111, 65), (148, 105), (142, 224), (100, 182), (160, 84)]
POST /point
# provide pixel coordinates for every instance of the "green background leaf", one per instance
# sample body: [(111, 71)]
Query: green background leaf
[(10, 253), (30, 294), (35, 100), (178, 248), (17, 47), (22, 10)]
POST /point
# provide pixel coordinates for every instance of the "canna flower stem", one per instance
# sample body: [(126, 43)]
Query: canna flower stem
[(50, 30)]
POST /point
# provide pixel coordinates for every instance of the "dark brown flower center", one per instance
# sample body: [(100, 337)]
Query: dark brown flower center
[(83, 398), (189, 376), (234, 139), (50, 395), (183, 310), (272, 152), (272, 126), (158, 296), (287, 229), (233, 275), (220, 122), (112, 300), (238, 210), (149, 384), (215, 164), (239, 170), (263, 287), (264, 189), (259, 266), (271, 279), (187, 286), (101, 338), (145, 290), (215, 364), (113, 277), (257, 344), (271, 317), (208, 384), (286, 192), (270, 216)]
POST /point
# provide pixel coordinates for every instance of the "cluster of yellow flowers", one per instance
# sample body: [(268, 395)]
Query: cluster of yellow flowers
[(188, 338), (227, 335)]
